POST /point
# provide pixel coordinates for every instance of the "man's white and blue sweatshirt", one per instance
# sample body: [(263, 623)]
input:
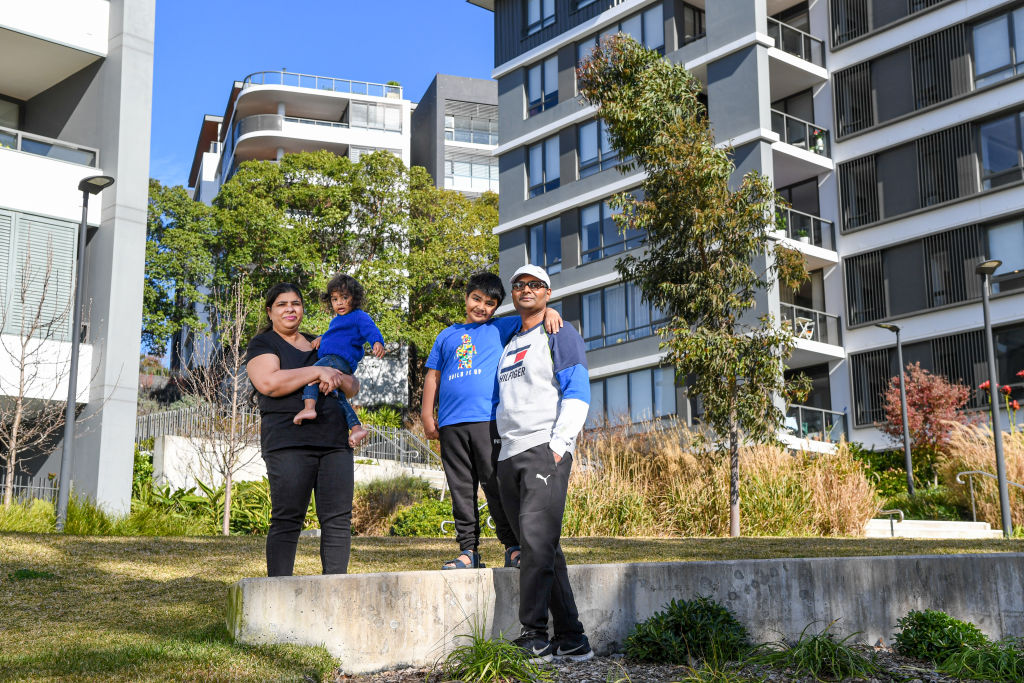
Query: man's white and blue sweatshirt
[(544, 391)]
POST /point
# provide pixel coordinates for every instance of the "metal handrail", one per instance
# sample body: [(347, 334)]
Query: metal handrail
[(799, 133), (890, 514), (807, 323), (797, 42), (970, 481), (451, 522), (343, 85), (393, 443), (12, 138), (820, 231)]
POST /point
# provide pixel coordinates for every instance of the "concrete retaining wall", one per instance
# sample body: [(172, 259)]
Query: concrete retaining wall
[(383, 621)]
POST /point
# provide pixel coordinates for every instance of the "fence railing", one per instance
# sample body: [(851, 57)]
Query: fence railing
[(806, 228), (391, 443), (796, 42), (800, 133), (816, 424), (807, 323), (312, 82), (28, 488), (970, 481), (48, 147)]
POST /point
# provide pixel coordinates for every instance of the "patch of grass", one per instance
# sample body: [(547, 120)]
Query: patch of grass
[(35, 516), (688, 629), (819, 655), (708, 672), (1002, 661), (26, 574), (375, 503), (935, 635), (481, 660)]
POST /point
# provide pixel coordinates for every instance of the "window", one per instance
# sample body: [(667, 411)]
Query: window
[(1006, 243), (542, 86), (10, 113), (595, 150), (1000, 151), (693, 24), (542, 166), (633, 397), (600, 236), (618, 314), (376, 116), (545, 248), (355, 153), (580, 4), (476, 130), (647, 28), (998, 47), (470, 173), (539, 14)]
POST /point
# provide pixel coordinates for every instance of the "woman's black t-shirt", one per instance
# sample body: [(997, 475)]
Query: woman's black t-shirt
[(328, 431)]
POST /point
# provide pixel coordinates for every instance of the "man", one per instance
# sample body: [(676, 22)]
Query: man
[(461, 371), (544, 396)]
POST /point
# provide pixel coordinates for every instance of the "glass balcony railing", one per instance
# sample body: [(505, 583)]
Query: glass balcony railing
[(48, 147), (341, 85), (796, 42), (816, 424), (809, 324), (275, 122), (804, 227), (800, 133)]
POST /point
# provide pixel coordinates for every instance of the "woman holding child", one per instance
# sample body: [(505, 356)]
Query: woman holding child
[(307, 457)]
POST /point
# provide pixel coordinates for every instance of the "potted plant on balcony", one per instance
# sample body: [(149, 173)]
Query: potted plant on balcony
[(803, 236)]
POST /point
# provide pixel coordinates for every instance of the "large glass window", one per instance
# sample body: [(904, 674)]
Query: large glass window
[(539, 14), (600, 236), (542, 166), (618, 314), (647, 28), (471, 174), (375, 116), (546, 245), (998, 47), (637, 396), (1000, 151), (595, 149), (542, 86), (1006, 243), (471, 129)]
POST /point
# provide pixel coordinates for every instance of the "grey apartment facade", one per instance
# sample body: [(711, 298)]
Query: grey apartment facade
[(878, 121), (75, 94)]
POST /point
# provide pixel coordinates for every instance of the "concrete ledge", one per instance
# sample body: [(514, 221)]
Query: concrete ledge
[(383, 621)]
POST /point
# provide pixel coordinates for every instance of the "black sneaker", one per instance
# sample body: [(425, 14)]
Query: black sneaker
[(571, 648), (535, 646)]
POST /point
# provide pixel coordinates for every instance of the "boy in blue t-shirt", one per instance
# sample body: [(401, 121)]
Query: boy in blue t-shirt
[(461, 378), (342, 347)]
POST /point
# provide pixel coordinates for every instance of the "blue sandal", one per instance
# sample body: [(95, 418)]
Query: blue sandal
[(513, 563), (457, 563)]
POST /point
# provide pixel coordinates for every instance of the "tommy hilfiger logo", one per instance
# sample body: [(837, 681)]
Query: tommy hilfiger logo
[(516, 369)]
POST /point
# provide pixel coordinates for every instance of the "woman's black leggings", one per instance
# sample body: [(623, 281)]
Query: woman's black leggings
[(294, 474)]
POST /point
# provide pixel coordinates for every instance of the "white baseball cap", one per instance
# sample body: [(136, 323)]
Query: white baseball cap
[(536, 271)]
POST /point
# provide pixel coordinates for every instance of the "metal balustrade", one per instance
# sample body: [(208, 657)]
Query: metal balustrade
[(39, 145), (816, 424), (804, 227), (341, 85), (796, 42), (800, 133), (807, 323)]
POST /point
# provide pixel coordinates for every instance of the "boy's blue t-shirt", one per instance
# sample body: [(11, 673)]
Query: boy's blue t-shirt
[(467, 356), (347, 335)]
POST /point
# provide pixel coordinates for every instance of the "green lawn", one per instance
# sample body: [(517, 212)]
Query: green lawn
[(101, 608)]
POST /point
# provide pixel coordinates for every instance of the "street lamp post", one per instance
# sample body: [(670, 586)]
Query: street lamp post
[(91, 185), (907, 460), (985, 270)]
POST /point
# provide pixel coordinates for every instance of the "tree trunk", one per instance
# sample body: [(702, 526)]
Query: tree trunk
[(226, 524), (12, 450), (734, 474)]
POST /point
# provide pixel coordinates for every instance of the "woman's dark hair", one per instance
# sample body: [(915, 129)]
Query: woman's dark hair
[(272, 294), (345, 284), (488, 283)]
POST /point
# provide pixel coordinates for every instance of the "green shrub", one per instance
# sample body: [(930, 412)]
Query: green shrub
[(479, 660), (1002, 661), (375, 502), (935, 635), (934, 502), (819, 655), (35, 516), (422, 519), (146, 521), (385, 416), (699, 628)]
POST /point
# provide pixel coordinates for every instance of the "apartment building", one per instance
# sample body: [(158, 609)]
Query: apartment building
[(888, 125), (75, 91), (455, 132)]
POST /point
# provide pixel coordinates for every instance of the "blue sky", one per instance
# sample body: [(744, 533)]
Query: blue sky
[(203, 46)]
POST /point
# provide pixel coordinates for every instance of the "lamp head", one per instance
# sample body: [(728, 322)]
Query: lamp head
[(95, 183), (889, 326), (987, 267)]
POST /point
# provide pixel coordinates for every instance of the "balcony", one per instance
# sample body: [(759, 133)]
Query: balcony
[(798, 43), (48, 147), (817, 335), (803, 150), (815, 424), (322, 83), (812, 236)]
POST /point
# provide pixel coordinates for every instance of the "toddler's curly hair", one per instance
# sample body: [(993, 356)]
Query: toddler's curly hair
[(345, 284)]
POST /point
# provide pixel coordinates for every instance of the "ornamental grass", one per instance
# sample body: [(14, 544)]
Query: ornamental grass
[(971, 448)]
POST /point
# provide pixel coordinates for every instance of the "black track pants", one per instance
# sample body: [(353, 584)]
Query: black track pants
[(533, 490)]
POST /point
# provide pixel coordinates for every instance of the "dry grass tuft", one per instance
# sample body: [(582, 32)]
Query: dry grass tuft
[(658, 483), (971, 448)]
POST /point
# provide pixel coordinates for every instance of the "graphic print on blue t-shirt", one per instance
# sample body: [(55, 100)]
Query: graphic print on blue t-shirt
[(466, 356)]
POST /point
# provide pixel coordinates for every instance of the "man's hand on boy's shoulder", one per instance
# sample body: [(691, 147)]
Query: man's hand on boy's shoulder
[(316, 342), (377, 350), (552, 321)]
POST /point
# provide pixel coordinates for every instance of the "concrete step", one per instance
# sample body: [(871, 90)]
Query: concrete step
[(924, 528)]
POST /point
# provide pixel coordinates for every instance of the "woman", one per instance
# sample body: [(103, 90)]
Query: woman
[(301, 459)]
